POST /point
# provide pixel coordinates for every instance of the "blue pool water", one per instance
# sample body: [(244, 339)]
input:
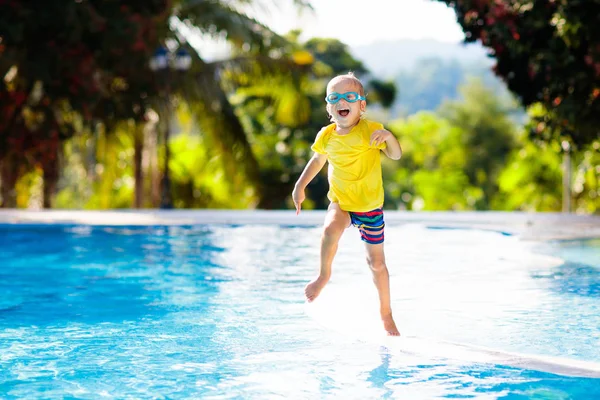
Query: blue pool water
[(218, 312)]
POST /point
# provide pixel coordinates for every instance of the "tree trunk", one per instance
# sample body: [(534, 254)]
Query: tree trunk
[(138, 147), (566, 186), (50, 182), (154, 173), (50, 178), (9, 174)]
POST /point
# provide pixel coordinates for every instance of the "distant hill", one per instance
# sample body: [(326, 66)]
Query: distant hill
[(428, 72), (386, 59)]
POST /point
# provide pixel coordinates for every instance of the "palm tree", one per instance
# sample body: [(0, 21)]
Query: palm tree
[(207, 86)]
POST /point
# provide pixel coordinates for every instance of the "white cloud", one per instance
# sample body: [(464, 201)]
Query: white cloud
[(357, 22)]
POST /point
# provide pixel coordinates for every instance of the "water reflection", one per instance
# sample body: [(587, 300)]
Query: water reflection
[(380, 376), (572, 278)]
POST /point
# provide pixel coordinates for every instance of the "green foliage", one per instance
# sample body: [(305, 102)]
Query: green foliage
[(197, 178), (336, 55), (531, 180), (488, 135), (114, 166), (468, 157), (586, 183), (430, 175), (65, 68), (78, 173), (84, 65), (547, 51), (105, 183), (71, 103), (451, 160), (75, 51), (382, 92), (444, 190), (282, 145)]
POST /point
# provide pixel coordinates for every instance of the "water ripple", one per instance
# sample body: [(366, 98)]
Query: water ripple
[(218, 312)]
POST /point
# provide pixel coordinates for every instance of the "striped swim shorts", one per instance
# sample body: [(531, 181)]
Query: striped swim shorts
[(370, 224)]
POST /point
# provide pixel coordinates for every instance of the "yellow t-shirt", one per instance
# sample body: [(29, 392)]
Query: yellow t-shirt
[(354, 172)]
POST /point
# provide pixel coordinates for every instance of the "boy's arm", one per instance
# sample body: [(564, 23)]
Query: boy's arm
[(393, 149), (310, 171)]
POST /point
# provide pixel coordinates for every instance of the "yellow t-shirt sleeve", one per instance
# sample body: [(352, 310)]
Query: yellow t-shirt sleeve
[(375, 126), (319, 144)]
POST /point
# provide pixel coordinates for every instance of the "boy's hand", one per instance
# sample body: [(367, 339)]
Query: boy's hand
[(298, 197), (379, 137)]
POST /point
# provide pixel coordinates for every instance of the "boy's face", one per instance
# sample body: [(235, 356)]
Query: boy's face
[(344, 113)]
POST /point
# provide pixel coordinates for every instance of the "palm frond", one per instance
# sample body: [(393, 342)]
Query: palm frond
[(217, 17), (207, 86), (217, 119)]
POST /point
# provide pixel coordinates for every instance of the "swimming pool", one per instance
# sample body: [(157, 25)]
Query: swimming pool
[(218, 312)]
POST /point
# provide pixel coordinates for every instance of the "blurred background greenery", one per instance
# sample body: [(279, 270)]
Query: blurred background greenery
[(112, 104)]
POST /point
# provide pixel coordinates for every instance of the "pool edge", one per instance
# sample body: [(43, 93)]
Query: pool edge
[(528, 226)]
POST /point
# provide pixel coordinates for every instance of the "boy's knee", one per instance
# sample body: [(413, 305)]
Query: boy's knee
[(376, 264), (332, 231)]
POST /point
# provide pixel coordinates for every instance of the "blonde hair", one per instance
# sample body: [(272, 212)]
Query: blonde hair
[(351, 77)]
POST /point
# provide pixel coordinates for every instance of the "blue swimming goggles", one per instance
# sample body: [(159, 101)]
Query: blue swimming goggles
[(350, 97)]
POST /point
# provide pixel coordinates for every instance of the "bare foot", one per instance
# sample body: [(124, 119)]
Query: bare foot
[(312, 290), (390, 326)]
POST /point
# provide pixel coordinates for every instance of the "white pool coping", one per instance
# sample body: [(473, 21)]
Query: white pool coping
[(529, 226)]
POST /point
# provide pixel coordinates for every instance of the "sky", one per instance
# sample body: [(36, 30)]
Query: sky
[(354, 22), (360, 22)]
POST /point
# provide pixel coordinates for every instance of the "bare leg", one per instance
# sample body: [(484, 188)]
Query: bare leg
[(336, 221), (381, 278)]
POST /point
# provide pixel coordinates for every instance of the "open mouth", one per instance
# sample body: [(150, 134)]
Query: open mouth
[(343, 112)]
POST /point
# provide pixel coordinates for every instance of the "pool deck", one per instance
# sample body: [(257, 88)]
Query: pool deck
[(529, 226)]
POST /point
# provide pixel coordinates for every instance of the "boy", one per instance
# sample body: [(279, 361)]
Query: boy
[(352, 146)]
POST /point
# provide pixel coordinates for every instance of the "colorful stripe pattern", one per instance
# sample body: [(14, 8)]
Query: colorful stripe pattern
[(370, 224)]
